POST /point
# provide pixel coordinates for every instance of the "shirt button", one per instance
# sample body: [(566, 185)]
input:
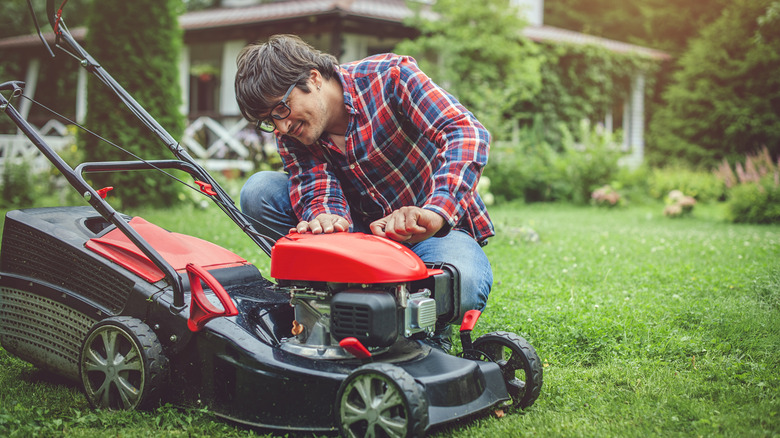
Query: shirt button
[(455, 218), (352, 166)]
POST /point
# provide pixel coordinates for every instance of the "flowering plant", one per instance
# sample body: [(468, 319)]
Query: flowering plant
[(605, 196), (678, 204)]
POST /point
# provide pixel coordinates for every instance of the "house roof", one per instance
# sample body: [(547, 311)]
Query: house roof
[(389, 11), (554, 34), (394, 11), (27, 41)]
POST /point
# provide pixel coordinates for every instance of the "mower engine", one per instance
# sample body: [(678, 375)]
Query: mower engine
[(356, 294)]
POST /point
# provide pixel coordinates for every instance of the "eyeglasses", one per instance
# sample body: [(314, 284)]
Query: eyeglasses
[(280, 111)]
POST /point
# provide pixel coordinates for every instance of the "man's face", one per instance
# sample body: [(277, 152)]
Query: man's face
[(308, 115)]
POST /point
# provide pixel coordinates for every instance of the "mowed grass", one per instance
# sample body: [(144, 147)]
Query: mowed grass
[(647, 326)]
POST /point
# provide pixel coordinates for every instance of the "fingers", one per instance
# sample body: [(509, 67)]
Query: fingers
[(407, 224), (322, 224)]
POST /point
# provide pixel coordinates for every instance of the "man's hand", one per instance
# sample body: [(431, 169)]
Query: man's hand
[(408, 224), (324, 223)]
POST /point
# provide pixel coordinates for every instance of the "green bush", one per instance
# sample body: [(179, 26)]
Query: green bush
[(19, 188), (588, 163), (703, 186), (755, 203), (633, 184), (753, 189), (522, 171), (533, 171)]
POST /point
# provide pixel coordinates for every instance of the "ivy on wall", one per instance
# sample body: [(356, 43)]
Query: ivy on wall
[(581, 82)]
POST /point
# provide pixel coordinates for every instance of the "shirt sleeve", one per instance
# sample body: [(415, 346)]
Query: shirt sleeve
[(462, 141), (314, 189)]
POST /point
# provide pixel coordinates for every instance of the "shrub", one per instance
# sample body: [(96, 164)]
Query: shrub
[(633, 184), (755, 203), (19, 188), (753, 189), (524, 170), (703, 186), (532, 170), (589, 163)]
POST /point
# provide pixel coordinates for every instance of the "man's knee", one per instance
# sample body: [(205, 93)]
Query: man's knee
[(261, 190), (461, 251), (476, 282)]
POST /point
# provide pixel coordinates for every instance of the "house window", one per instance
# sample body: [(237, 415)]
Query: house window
[(205, 61)]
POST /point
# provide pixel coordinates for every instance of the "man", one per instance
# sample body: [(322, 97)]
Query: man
[(373, 146)]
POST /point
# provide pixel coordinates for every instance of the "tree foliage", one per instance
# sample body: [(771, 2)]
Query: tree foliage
[(15, 17), (661, 24), (138, 43), (724, 101), (479, 55), (509, 81)]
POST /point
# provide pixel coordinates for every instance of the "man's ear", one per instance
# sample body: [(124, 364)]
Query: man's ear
[(316, 78)]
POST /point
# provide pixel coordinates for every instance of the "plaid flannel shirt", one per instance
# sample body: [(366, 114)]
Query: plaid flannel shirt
[(408, 142)]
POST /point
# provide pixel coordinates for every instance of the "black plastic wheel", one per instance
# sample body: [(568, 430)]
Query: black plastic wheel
[(381, 400), (519, 363), (122, 365)]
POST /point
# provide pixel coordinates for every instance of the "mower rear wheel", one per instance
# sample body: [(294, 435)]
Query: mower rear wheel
[(381, 400), (122, 365), (519, 364)]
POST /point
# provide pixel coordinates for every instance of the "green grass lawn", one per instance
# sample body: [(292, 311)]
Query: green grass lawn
[(647, 326)]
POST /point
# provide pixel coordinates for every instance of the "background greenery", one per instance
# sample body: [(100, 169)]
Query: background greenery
[(147, 63), (510, 82), (717, 98)]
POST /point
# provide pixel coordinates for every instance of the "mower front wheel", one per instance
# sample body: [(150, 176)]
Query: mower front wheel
[(122, 365), (378, 400), (519, 364)]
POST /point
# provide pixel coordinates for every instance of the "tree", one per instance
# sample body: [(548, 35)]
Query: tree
[(660, 24), (138, 43), (479, 55), (724, 102)]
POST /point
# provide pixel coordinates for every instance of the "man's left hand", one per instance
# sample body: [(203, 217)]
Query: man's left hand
[(408, 225)]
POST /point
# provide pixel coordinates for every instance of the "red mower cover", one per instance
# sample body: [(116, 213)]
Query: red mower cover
[(345, 258), (177, 249)]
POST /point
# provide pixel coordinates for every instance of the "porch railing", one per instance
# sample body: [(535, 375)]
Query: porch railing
[(218, 145)]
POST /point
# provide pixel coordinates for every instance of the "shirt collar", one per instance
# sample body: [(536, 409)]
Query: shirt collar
[(348, 85)]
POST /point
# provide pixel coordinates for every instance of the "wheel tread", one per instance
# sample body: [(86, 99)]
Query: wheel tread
[(156, 365), (535, 379)]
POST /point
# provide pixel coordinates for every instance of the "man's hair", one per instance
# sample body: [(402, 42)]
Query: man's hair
[(266, 71)]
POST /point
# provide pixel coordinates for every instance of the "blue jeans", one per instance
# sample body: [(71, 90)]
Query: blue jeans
[(266, 198)]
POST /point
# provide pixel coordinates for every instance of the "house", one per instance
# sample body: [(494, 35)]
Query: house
[(349, 29)]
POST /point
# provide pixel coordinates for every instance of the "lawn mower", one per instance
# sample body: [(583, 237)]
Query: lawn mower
[(139, 315)]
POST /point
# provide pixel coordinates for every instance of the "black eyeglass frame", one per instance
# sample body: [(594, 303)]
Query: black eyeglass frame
[(267, 124)]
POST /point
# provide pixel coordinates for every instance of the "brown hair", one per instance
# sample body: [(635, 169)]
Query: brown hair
[(266, 71)]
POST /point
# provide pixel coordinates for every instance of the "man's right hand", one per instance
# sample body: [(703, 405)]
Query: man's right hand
[(324, 223)]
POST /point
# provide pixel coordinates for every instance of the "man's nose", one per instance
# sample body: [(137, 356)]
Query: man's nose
[(283, 126)]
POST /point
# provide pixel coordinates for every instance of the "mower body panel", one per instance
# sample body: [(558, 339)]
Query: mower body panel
[(54, 288)]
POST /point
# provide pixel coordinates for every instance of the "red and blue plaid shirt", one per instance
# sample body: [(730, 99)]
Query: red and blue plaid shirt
[(408, 142)]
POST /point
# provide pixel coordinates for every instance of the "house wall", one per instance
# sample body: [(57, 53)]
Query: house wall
[(532, 9)]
